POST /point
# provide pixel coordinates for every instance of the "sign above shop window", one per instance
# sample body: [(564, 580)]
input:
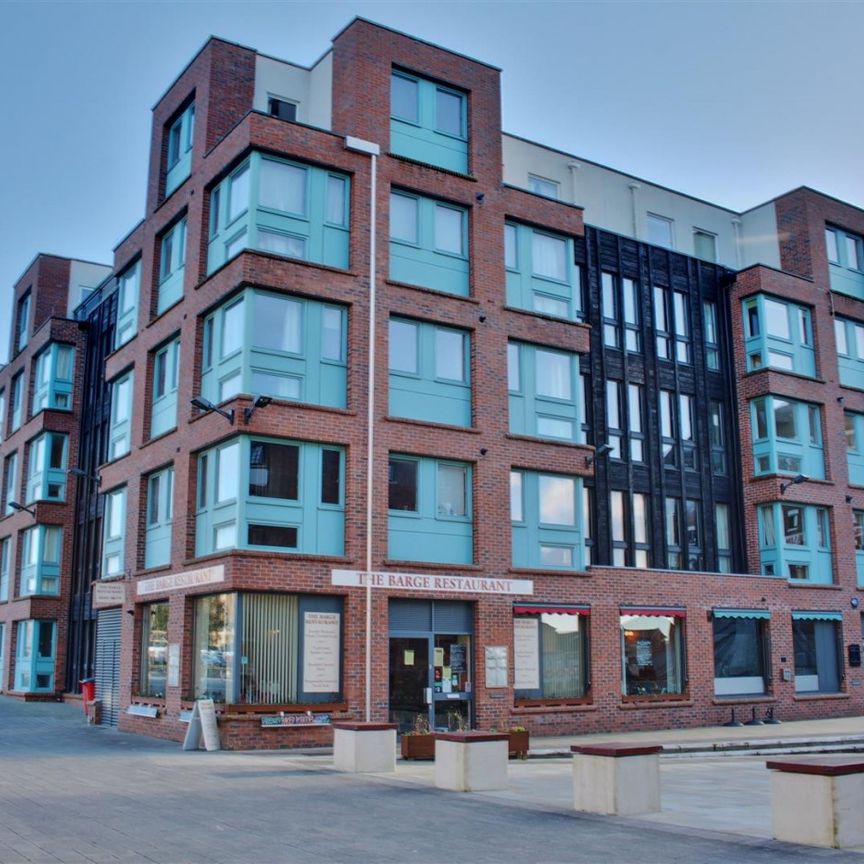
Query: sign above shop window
[(431, 582), (108, 594), (187, 579)]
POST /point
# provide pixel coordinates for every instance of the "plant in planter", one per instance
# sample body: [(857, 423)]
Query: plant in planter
[(518, 746), (419, 743)]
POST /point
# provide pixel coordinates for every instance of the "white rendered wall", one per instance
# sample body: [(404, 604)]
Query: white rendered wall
[(321, 93), (759, 236), (83, 275), (292, 84)]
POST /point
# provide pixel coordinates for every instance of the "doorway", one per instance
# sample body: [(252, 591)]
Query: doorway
[(431, 657)]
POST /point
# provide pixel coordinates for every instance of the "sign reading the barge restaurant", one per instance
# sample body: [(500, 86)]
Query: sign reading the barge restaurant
[(431, 582), (187, 579)]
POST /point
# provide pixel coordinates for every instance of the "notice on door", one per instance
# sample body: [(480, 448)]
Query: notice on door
[(321, 638), (526, 654)]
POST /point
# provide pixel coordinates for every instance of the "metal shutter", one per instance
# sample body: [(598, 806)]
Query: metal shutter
[(453, 616), (410, 616), (108, 664)]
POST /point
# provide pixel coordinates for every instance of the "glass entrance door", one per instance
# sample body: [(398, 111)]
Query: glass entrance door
[(451, 683), (409, 681)]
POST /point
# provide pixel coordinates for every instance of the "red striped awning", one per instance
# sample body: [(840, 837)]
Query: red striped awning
[(552, 610), (654, 610)]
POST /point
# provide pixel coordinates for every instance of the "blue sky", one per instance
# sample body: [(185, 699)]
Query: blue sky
[(734, 102)]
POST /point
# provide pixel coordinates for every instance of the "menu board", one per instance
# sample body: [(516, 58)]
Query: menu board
[(526, 654), (321, 638), (496, 666)]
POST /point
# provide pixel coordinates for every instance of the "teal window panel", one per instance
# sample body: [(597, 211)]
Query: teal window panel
[(172, 266), (541, 275), (5, 547), (181, 137), (858, 524), (854, 428), (22, 322), (428, 122), (10, 467), (778, 334), (159, 518), (53, 378), (272, 494), (429, 243), (849, 336), (166, 376), (128, 293), (429, 372), (41, 551), (545, 393), (120, 431), (795, 542), (276, 345), (546, 516), (787, 437), (36, 648), (430, 511), (46, 468), (283, 208), (845, 252), (16, 399), (114, 534)]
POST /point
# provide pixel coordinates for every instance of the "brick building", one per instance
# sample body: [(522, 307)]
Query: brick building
[(600, 444)]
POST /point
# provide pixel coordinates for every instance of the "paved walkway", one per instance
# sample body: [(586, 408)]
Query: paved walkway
[(78, 794)]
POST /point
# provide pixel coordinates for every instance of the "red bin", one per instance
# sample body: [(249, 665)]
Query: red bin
[(88, 691)]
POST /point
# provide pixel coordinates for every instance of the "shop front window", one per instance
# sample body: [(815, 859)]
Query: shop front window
[(652, 651), (154, 650)]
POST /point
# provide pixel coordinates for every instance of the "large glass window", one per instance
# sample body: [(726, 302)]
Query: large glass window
[(818, 645), (740, 655), (53, 378), (778, 334), (5, 547), (22, 322), (160, 515), (121, 416), (166, 376), (850, 351), (787, 437), (36, 648), (795, 542), (114, 534), (180, 138), (845, 261), (172, 263), (659, 231), (652, 652), (10, 482), (41, 550), (128, 290), (46, 468), (550, 653), (154, 650)]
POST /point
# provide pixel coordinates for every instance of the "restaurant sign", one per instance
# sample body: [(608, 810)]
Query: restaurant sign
[(431, 582)]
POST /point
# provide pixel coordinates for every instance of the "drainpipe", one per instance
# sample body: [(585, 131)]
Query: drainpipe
[(358, 145), (736, 232), (574, 167)]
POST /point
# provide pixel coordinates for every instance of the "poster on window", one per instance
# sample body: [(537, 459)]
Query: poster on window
[(644, 653), (321, 636), (526, 654)]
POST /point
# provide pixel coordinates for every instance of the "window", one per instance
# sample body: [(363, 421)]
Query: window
[(10, 485), (628, 524), (546, 521), (429, 372), (429, 243), (550, 652), (542, 186), (722, 536), (778, 334), (114, 534), (172, 265), (545, 392), (854, 429), (2, 415), (16, 400), (181, 137), (652, 652), (712, 338), (120, 434), (154, 650), (428, 122), (166, 375), (717, 439), (704, 245), (659, 231), (677, 430), (741, 665), (46, 468), (5, 551), (795, 542), (36, 647), (281, 108), (818, 644), (858, 529), (683, 538), (787, 437), (54, 374), (128, 291), (269, 631), (278, 346), (273, 494), (609, 296), (22, 322), (41, 549), (430, 511), (845, 261), (682, 327), (159, 516), (850, 351), (541, 274)]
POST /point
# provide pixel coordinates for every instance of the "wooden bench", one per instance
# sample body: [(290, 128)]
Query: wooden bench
[(364, 748), (818, 800), (616, 779), (471, 761)]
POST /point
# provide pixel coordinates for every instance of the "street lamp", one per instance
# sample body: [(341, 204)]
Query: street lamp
[(207, 405), (602, 450), (795, 481)]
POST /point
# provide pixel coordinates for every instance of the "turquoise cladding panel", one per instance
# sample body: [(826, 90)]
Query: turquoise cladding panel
[(429, 146), (429, 269), (846, 281)]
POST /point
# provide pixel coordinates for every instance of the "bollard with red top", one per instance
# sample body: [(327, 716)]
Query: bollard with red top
[(88, 691)]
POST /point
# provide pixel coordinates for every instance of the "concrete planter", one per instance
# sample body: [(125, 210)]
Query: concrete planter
[(518, 746)]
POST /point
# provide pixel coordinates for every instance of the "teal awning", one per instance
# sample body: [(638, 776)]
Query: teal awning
[(817, 616), (742, 613)]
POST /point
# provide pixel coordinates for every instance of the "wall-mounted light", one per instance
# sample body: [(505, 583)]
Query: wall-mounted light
[(207, 405), (20, 508), (481, 197), (841, 399), (257, 402), (78, 472), (482, 319), (795, 481), (849, 499), (602, 450), (483, 451)]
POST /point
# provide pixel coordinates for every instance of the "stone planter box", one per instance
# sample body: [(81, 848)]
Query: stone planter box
[(364, 747), (471, 761), (418, 746), (616, 779), (518, 747)]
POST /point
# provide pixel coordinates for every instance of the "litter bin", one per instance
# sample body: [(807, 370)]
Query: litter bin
[(88, 691)]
